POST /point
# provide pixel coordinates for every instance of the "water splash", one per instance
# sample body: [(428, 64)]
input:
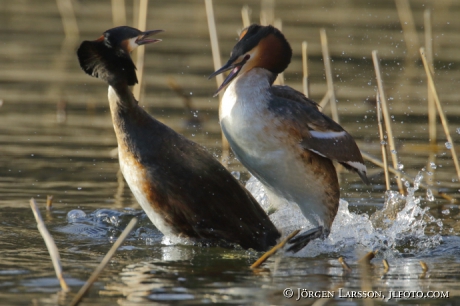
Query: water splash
[(398, 228), (106, 223)]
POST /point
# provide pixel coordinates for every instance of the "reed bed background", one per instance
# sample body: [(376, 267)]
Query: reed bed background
[(387, 71)]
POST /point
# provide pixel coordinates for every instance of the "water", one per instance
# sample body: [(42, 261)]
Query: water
[(56, 138)]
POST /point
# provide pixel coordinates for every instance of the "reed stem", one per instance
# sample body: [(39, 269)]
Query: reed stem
[(69, 21), (442, 116), (273, 250), (386, 117), (305, 84), (217, 64), (267, 12), (279, 25), (142, 23), (245, 14), (328, 71), (408, 28), (104, 262), (379, 163), (432, 116), (118, 13), (383, 143), (50, 245)]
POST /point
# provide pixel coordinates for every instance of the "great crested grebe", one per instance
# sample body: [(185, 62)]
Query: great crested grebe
[(183, 189), (279, 135)]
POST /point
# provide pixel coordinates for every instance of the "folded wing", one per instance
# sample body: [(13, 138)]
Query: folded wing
[(318, 133)]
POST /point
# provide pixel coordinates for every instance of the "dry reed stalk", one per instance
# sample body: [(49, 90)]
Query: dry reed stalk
[(245, 14), (305, 84), (442, 116), (364, 269), (217, 64), (118, 13), (408, 28), (424, 266), (267, 12), (328, 71), (49, 202), (273, 250), (280, 78), (428, 40), (136, 5), (368, 257), (324, 100), (377, 162), (104, 262), (50, 245), (61, 111), (69, 22), (118, 197), (386, 266), (345, 266), (424, 269), (66, 56), (181, 93), (141, 25), (382, 142), (431, 104), (386, 117)]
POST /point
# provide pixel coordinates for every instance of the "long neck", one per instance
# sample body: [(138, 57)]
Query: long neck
[(249, 87), (254, 82), (121, 98)]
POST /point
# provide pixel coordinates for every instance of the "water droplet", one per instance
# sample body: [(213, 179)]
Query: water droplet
[(393, 152), (417, 180), (75, 214), (429, 195), (191, 93), (236, 174), (79, 188), (448, 145), (446, 211), (193, 135), (433, 165), (31, 154), (383, 142), (458, 130), (400, 166)]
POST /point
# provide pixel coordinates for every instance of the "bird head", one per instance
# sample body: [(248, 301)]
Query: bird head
[(258, 47), (108, 57)]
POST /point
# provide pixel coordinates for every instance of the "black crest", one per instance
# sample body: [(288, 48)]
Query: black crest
[(106, 59), (252, 35)]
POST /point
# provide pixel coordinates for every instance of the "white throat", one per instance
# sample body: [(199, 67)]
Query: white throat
[(248, 89)]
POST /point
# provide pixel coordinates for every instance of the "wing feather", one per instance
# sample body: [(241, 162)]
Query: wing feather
[(319, 133)]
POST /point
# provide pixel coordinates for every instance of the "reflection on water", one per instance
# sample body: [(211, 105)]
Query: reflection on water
[(56, 137)]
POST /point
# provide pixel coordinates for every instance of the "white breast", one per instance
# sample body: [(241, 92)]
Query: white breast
[(135, 177), (250, 128)]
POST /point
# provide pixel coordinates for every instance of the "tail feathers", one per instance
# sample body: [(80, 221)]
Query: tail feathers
[(359, 168), (301, 241)]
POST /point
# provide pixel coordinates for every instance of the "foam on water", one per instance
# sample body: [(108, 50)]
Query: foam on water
[(399, 228)]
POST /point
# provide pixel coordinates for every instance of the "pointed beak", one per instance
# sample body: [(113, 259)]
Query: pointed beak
[(144, 39), (235, 70)]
